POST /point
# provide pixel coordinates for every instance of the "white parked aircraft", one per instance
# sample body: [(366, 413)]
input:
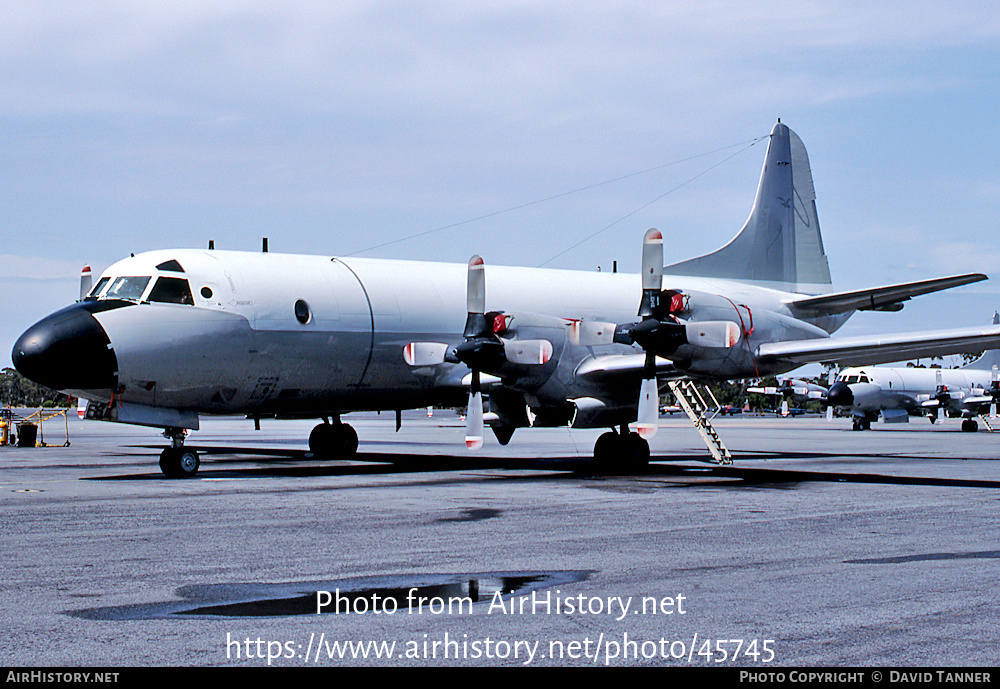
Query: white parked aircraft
[(897, 393), (799, 391), (167, 335)]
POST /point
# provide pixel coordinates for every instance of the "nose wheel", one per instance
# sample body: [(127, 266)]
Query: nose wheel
[(177, 461)]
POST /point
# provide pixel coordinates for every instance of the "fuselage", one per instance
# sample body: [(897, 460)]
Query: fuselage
[(265, 333)]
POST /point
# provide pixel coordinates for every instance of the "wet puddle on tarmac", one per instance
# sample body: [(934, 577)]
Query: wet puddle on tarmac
[(437, 593)]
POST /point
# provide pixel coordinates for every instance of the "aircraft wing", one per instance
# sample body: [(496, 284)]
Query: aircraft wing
[(880, 349), (888, 298)]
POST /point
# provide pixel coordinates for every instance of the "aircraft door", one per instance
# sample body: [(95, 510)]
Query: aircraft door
[(312, 330)]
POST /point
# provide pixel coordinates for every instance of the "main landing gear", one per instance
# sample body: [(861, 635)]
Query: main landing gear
[(970, 425), (334, 440), (621, 450), (176, 461)]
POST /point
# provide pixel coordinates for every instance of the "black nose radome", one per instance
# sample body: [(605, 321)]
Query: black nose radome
[(68, 350), (840, 395)]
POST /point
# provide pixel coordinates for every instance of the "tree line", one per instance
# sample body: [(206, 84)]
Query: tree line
[(18, 391)]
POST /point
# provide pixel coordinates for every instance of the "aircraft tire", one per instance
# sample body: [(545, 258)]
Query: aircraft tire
[(637, 451), (333, 440), (970, 425), (606, 450), (617, 453), (348, 440), (177, 462)]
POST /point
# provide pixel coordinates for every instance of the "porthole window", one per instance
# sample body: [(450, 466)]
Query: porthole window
[(206, 292), (302, 313)]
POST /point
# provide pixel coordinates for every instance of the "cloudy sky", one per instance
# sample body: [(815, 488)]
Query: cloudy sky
[(495, 128)]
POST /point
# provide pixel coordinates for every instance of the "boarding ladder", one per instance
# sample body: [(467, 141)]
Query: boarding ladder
[(694, 405)]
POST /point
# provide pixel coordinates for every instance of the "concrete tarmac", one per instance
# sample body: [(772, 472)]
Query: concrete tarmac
[(819, 546)]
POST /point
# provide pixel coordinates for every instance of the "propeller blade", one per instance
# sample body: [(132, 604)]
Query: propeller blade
[(724, 334), (475, 293), (424, 353), (652, 274), (652, 260), (474, 416), (527, 352), (86, 282), (648, 421), (591, 333)]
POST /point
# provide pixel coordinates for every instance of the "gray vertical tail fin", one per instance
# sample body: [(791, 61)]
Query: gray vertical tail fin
[(780, 245), (990, 357)]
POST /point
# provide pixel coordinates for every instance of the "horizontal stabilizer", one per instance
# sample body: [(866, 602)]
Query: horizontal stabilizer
[(888, 298), (881, 349)]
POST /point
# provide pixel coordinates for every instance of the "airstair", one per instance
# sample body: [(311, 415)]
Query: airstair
[(693, 403)]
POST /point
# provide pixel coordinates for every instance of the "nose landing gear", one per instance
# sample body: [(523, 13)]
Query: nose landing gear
[(176, 461)]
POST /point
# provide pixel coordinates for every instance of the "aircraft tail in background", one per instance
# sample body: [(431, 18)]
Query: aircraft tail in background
[(780, 245), (990, 358)]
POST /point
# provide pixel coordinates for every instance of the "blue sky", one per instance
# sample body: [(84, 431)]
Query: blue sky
[(128, 126)]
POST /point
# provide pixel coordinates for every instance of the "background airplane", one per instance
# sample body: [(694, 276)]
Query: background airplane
[(896, 393), (167, 335), (792, 389)]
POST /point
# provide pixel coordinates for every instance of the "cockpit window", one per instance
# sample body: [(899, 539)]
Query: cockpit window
[(171, 291), (170, 266), (127, 288), (97, 288)]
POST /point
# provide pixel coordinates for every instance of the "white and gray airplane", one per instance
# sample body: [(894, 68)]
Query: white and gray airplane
[(896, 393), (168, 335), (794, 389)]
